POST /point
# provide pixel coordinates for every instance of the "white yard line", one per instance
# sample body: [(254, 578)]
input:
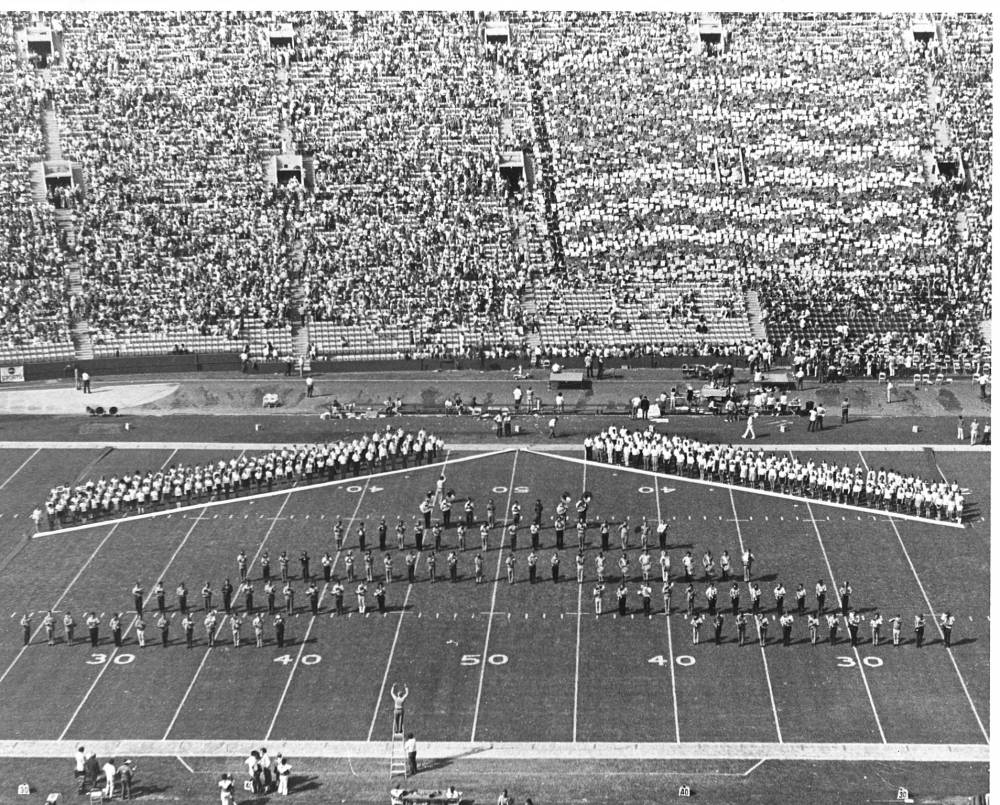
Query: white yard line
[(763, 652), (222, 623), (576, 669), (59, 600), (21, 467), (388, 663), (934, 617), (135, 620), (493, 599), (185, 765), (312, 619), (670, 638), (579, 619), (857, 656)]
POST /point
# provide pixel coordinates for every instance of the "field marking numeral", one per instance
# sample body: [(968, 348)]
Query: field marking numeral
[(354, 489), (99, 658), (850, 662), (308, 659), (518, 490), (684, 660), (475, 659), (659, 659), (646, 490)]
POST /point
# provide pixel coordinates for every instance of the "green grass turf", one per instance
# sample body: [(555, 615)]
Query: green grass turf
[(527, 692)]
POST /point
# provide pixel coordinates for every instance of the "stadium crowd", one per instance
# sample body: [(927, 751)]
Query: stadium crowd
[(33, 299), (180, 484), (793, 161), (861, 486)]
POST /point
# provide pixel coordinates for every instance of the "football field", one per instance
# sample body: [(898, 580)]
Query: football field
[(504, 671)]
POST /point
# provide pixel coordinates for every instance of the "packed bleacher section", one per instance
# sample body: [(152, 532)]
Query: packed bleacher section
[(179, 484), (796, 163), (884, 489), (790, 164), (33, 298), (412, 234)]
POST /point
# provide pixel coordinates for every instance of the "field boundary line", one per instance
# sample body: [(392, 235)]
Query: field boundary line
[(857, 655), (874, 513), (763, 652), (222, 623), (135, 619), (20, 467), (493, 598), (260, 495), (59, 600), (312, 618), (937, 623), (670, 637), (459, 751)]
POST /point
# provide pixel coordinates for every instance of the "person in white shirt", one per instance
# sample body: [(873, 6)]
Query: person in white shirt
[(226, 786), (283, 769), (110, 769)]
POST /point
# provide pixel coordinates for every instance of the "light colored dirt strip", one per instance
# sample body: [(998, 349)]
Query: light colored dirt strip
[(874, 513), (211, 504), (467, 447), (867, 752)]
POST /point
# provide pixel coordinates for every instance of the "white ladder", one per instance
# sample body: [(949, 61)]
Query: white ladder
[(397, 756)]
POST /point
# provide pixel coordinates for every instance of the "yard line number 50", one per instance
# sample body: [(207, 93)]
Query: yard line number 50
[(476, 659)]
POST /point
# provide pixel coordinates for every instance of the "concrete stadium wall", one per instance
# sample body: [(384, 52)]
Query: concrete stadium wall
[(230, 362)]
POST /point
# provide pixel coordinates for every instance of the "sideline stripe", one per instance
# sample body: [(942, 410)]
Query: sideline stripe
[(493, 598), (763, 652), (21, 467), (875, 513), (261, 495), (59, 600), (460, 750), (937, 623)]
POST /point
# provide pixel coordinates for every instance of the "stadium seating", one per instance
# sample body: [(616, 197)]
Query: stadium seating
[(663, 184)]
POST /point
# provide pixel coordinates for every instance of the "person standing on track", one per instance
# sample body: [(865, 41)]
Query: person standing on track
[(163, 624), (853, 624), (187, 624), (786, 629), (206, 596), (918, 629), (69, 624)]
